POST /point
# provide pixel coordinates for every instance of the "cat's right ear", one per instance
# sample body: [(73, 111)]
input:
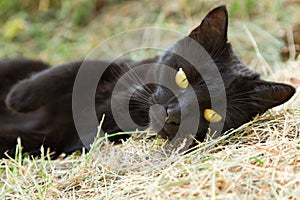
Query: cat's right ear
[(272, 94), (212, 32)]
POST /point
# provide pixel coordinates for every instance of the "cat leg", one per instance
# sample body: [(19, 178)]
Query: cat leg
[(54, 83), (42, 88), (14, 70)]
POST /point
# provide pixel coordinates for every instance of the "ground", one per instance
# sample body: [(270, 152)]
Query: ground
[(259, 160)]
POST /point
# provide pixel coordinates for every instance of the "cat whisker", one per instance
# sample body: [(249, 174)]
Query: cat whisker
[(133, 79), (139, 100), (137, 96), (139, 80)]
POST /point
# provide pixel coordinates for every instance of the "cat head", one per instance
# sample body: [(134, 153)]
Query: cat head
[(208, 86)]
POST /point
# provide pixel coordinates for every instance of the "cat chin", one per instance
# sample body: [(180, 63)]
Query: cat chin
[(160, 128), (166, 135), (166, 131)]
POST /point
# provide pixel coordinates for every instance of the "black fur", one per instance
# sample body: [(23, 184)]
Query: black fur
[(38, 109)]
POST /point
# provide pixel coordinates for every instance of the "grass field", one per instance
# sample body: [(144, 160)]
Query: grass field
[(260, 160)]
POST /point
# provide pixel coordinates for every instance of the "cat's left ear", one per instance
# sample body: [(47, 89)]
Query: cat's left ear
[(212, 32), (273, 94)]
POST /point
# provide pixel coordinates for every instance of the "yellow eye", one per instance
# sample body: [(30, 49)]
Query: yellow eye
[(181, 79), (211, 116)]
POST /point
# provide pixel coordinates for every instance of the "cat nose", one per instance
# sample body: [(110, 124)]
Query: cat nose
[(173, 117)]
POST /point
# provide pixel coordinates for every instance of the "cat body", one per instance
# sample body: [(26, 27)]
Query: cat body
[(38, 108), (45, 116)]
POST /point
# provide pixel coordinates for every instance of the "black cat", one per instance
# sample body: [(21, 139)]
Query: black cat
[(38, 109)]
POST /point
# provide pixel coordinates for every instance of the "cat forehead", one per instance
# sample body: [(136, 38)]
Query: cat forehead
[(183, 58)]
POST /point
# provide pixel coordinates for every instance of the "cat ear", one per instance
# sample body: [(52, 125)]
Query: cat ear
[(273, 94), (212, 32)]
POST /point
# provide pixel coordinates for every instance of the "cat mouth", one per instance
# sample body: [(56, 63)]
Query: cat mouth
[(169, 130), (160, 123), (165, 130)]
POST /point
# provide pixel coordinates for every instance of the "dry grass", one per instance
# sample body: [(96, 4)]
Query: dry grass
[(260, 160)]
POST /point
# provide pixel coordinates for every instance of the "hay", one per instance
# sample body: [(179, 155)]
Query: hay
[(260, 160)]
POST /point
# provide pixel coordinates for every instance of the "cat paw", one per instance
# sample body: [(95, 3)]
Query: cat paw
[(20, 99)]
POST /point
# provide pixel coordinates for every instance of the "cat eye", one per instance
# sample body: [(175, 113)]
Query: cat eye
[(212, 116), (181, 79)]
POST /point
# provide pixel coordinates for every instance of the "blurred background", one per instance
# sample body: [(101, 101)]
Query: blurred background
[(59, 31)]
